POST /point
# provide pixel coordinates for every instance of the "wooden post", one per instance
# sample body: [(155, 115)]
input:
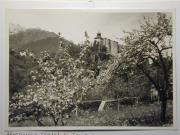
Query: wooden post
[(101, 106), (118, 106), (76, 110), (151, 95), (137, 100)]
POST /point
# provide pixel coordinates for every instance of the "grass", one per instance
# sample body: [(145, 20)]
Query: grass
[(138, 115), (141, 115)]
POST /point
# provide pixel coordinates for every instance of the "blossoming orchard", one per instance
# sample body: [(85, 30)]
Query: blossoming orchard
[(95, 83), (59, 84)]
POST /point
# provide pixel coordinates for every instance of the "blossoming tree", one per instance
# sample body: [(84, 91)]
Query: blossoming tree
[(149, 50), (59, 84)]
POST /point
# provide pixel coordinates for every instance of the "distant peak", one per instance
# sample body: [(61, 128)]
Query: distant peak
[(15, 28)]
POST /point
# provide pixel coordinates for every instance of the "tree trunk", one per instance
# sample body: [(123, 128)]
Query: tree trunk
[(62, 122), (55, 119), (39, 122), (164, 103), (163, 110), (55, 123), (162, 92), (163, 99)]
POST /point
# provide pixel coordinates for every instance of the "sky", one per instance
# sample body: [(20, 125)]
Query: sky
[(73, 23)]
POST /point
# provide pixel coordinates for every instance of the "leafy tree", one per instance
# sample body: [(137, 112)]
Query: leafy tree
[(24, 105), (146, 49), (60, 83)]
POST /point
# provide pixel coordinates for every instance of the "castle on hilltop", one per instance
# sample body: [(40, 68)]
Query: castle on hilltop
[(105, 45)]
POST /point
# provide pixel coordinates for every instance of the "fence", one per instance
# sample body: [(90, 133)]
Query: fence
[(105, 101)]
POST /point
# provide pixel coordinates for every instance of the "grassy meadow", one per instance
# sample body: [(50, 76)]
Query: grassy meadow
[(136, 115)]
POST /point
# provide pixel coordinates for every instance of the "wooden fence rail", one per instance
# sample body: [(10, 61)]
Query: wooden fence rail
[(104, 101)]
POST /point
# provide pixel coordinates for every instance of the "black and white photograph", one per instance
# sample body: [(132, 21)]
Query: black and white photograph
[(90, 68)]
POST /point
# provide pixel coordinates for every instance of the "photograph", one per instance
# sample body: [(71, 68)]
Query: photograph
[(90, 68)]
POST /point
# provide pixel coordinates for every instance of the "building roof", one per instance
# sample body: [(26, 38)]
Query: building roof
[(98, 36)]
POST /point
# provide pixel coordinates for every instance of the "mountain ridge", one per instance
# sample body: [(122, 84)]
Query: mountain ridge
[(37, 40), (20, 39)]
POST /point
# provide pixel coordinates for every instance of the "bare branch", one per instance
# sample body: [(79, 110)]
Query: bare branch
[(166, 48)]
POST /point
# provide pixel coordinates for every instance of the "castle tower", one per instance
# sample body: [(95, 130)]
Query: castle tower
[(98, 37), (105, 45), (98, 43)]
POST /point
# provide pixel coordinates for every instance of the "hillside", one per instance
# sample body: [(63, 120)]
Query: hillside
[(20, 39), (15, 28), (49, 44), (19, 68), (37, 40)]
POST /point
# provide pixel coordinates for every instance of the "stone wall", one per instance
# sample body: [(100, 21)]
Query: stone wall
[(100, 43), (111, 46)]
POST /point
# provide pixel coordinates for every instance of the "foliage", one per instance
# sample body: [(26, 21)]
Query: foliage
[(140, 115), (146, 50), (19, 68), (59, 83)]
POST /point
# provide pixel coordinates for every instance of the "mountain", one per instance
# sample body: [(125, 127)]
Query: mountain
[(15, 28), (49, 44), (37, 40), (20, 39)]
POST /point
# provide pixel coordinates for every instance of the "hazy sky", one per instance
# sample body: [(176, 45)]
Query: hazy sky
[(73, 23)]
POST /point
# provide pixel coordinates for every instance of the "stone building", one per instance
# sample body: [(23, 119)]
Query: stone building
[(105, 45)]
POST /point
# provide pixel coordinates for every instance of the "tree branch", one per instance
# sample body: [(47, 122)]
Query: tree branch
[(155, 44), (154, 60), (166, 48), (164, 68), (148, 76)]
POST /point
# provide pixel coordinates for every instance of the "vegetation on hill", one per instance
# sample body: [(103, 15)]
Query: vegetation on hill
[(20, 39), (37, 40), (19, 71)]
